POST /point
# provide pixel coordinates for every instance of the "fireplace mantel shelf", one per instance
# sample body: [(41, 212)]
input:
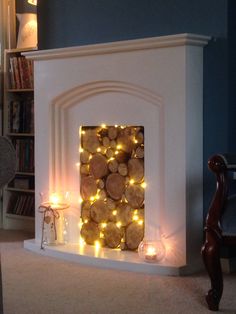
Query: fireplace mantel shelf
[(120, 46)]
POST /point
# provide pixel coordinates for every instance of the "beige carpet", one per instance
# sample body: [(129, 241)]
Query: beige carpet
[(34, 284)]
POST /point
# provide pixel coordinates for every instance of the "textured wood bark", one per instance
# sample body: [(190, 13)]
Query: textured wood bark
[(90, 232), (88, 187), (112, 235), (134, 235), (98, 166), (115, 185)]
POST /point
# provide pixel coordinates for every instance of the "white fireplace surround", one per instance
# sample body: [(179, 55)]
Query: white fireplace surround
[(153, 82)]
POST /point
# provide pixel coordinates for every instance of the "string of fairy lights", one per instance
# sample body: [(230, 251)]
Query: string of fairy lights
[(110, 149)]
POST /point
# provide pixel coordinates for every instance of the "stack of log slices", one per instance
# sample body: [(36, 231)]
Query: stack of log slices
[(112, 177)]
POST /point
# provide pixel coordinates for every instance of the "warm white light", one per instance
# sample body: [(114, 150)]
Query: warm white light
[(135, 141), (81, 241), (97, 245), (119, 147), (33, 2), (98, 149), (103, 125), (92, 198), (103, 225), (135, 217), (81, 150), (151, 250), (114, 213), (54, 199), (144, 185), (140, 222), (118, 224), (131, 181)]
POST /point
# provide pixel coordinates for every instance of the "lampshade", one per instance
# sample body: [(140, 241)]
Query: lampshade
[(33, 2)]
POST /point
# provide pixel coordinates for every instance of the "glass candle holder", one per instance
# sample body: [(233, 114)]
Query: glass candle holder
[(151, 251), (52, 207)]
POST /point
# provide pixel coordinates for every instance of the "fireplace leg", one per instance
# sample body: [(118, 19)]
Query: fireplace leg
[(211, 258)]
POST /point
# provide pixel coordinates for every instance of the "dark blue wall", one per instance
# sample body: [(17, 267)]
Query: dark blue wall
[(79, 22)]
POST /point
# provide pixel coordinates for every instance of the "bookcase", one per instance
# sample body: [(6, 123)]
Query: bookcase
[(18, 126)]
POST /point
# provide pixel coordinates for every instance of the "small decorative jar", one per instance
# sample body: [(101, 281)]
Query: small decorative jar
[(52, 207), (151, 251)]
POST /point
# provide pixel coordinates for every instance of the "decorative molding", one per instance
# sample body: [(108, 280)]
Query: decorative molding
[(73, 97), (120, 46)]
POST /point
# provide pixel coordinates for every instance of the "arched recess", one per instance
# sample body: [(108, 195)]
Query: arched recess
[(61, 105)]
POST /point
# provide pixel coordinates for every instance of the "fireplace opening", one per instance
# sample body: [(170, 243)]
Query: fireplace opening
[(112, 186)]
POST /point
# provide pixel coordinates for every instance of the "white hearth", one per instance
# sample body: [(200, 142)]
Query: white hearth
[(153, 82)]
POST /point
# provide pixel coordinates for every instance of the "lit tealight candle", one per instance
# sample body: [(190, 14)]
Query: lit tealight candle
[(151, 253)]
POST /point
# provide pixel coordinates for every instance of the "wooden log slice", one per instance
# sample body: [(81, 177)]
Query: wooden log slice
[(123, 169), (115, 185), (90, 140), (106, 141), (135, 195), (139, 137), (124, 214), (103, 150), (100, 184), (90, 232), (113, 165), (136, 169), (109, 153), (112, 235), (84, 156), (129, 131), (98, 166), (84, 169), (134, 235), (99, 211), (140, 213), (126, 142), (113, 144), (111, 204), (122, 156), (139, 152), (112, 132), (85, 211), (88, 187), (102, 195)]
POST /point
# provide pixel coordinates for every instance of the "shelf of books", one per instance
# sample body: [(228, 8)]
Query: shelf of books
[(18, 195)]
